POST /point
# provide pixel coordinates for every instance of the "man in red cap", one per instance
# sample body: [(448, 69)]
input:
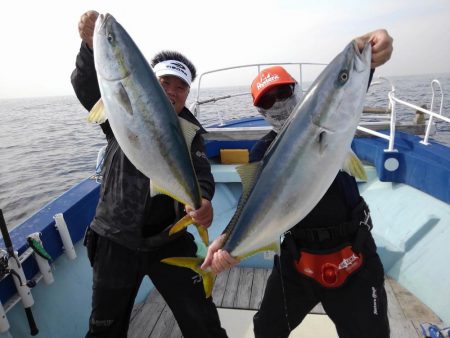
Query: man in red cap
[(335, 232), (275, 89)]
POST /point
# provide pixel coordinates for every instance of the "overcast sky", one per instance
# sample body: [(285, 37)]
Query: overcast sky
[(40, 39)]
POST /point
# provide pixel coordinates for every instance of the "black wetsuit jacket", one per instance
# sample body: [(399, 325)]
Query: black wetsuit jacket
[(126, 213)]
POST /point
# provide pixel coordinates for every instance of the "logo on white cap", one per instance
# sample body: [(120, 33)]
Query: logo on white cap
[(173, 67)]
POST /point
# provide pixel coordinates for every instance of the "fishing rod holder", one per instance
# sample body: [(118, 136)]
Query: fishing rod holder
[(6, 268), (61, 226)]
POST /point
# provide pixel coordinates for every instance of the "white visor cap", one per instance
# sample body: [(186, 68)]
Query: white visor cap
[(173, 67)]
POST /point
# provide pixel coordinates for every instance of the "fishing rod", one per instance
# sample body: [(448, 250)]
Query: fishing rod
[(18, 276)]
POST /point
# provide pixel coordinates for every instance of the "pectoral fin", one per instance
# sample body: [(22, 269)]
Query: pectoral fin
[(97, 113), (353, 166), (189, 131)]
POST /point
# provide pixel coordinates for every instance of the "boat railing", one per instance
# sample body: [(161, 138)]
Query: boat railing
[(373, 120), (297, 74), (195, 108), (393, 100)]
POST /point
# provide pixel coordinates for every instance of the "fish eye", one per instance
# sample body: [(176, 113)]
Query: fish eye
[(343, 77), (110, 37)]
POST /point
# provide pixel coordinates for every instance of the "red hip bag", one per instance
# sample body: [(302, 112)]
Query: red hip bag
[(330, 270)]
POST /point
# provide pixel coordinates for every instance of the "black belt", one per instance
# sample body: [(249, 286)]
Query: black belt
[(357, 230), (360, 218)]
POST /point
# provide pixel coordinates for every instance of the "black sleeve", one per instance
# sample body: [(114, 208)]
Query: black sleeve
[(202, 167), (259, 149), (84, 78)]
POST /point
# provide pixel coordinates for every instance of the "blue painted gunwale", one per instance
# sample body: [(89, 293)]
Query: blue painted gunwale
[(78, 207)]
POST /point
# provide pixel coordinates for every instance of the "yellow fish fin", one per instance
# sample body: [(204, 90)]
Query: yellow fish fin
[(97, 113), (194, 263), (184, 223), (189, 131), (156, 189), (248, 173), (203, 233), (181, 224), (353, 166)]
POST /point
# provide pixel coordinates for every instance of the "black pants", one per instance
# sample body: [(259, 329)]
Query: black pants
[(358, 308), (118, 273)]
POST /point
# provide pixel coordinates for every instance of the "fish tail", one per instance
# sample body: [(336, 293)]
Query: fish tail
[(181, 224), (194, 263), (184, 223), (203, 233)]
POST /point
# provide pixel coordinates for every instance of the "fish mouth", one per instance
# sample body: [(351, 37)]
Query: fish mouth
[(101, 22), (363, 58)]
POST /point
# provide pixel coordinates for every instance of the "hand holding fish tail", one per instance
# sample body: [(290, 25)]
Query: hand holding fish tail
[(382, 46), (203, 215), (218, 260), (201, 218), (86, 27)]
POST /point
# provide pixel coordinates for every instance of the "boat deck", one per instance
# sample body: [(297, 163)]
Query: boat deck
[(242, 288)]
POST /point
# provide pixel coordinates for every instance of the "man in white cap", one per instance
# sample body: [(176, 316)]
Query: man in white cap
[(128, 236)]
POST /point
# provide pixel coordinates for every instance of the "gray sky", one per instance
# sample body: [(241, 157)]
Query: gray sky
[(40, 38)]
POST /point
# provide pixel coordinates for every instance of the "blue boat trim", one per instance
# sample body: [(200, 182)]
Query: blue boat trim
[(425, 167), (76, 205)]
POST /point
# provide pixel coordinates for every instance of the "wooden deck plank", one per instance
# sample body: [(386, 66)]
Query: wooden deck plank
[(401, 327), (258, 286), (219, 287), (268, 272), (176, 332), (165, 324), (136, 309), (413, 309), (244, 288), (244, 291), (143, 322), (231, 288), (155, 297)]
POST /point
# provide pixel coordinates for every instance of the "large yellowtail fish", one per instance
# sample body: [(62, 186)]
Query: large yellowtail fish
[(141, 116), (301, 163)]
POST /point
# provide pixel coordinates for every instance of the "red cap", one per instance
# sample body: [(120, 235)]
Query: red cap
[(268, 78)]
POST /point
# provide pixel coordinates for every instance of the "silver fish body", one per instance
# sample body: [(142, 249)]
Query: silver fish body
[(306, 156), (140, 115)]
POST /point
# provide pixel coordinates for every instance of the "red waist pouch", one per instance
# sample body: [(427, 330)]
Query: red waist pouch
[(330, 270)]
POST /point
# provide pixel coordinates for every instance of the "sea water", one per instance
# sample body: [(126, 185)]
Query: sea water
[(47, 146)]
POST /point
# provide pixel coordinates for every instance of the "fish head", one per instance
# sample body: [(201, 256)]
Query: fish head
[(341, 89), (112, 62)]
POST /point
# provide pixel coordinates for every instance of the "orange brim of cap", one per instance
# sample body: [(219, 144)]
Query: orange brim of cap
[(267, 79), (263, 91)]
